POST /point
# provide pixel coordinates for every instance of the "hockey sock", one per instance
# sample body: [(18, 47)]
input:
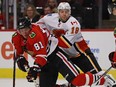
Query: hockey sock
[(87, 79)]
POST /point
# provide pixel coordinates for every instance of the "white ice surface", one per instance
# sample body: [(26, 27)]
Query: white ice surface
[(24, 83)]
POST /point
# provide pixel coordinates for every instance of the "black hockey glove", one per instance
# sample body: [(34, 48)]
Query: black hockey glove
[(22, 63), (112, 58), (32, 74)]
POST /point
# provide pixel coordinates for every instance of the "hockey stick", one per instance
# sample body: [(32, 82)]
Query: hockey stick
[(108, 68), (14, 68), (104, 74)]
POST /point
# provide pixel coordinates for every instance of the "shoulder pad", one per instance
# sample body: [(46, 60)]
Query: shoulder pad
[(32, 34), (14, 34)]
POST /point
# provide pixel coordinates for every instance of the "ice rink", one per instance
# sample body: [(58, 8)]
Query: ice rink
[(24, 83), (20, 83)]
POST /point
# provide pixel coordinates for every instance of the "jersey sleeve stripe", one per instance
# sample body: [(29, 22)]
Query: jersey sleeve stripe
[(66, 41)]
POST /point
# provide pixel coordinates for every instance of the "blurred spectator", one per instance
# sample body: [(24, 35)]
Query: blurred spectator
[(31, 13), (47, 9), (112, 10), (53, 4)]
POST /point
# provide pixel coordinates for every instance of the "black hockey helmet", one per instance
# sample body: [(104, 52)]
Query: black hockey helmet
[(23, 23)]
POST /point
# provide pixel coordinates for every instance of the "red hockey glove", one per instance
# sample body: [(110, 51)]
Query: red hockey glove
[(32, 74), (58, 32), (112, 58), (22, 63)]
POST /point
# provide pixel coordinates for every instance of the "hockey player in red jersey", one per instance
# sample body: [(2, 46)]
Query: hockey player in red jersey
[(48, 62)]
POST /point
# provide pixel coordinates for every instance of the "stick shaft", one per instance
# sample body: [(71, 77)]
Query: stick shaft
[(104, 74), (14, 68)]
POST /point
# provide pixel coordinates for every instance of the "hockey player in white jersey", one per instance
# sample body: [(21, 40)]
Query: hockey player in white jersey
[(63, 25)]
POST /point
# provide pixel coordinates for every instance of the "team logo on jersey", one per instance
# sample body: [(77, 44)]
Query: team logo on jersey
[(32, 35), (14, 34)]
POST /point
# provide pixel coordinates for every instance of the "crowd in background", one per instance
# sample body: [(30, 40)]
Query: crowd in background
[(85, 11)]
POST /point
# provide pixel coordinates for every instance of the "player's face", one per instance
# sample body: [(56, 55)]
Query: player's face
[(25, 32), (64, 14)]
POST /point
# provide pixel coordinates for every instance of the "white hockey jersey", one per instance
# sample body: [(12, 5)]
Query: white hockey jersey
[(71, 26)]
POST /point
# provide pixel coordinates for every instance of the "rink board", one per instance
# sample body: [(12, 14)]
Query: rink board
[(101, 43)]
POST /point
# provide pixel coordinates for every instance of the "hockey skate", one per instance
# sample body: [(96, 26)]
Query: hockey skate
[(110, 81)]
